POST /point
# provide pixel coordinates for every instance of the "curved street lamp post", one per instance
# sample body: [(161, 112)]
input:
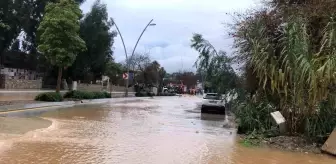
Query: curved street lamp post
[(136, 44)]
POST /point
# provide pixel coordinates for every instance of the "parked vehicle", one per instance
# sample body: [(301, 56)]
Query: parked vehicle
[(213, 103)]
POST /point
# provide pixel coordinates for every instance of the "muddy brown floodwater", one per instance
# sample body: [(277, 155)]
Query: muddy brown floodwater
[(146, 131)]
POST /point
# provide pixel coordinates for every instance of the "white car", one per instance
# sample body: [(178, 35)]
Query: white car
[(213, 103)]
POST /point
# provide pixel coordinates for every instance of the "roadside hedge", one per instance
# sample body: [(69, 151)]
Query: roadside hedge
[(49, 96), (86, 95), (144, 94), (166, 94)]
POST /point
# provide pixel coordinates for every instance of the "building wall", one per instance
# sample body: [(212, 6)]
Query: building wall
[(22, 84), (99, 87), (14, 78), (16, 73)]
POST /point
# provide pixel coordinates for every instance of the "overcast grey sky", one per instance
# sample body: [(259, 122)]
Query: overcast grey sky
[(169, 41)]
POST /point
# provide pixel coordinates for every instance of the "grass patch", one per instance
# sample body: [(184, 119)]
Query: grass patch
[(247, 143), (254, 139)]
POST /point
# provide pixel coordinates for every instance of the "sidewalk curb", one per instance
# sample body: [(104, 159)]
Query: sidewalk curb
[(21, 108)]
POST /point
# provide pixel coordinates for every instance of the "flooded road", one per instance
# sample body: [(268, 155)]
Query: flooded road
[(140, 131)]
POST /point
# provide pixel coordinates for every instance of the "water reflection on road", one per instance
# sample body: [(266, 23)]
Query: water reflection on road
[(148, 131)]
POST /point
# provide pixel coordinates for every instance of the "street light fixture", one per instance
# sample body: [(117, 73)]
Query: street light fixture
[(136, 44)]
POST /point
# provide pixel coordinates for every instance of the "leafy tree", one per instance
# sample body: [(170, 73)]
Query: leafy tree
[(4, 26), (33, 13), (99, 39), (162, 75), (59, 35), (139, 61), (214, 64), (114, 71), (151, 73), (15, 46), (11, 16)]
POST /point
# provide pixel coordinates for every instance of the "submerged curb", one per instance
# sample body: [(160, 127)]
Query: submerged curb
[(21, 108), (9, 108)]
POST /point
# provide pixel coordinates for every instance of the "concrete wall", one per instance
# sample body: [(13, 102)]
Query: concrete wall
[(16, 73), (99, 87), (90, 87), (14, 78), (22, 84)]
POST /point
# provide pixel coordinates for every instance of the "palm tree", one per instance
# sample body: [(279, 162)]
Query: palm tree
[(214, 64)]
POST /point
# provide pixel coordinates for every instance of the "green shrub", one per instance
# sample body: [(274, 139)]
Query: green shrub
[(144, 94), (150, 94), (166, 94), (255, 117), (141, 94), (98, 95), (49, 96), (107, 95), (322, 123), (87, 95)]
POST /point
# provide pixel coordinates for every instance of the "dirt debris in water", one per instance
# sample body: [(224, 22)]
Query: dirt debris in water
[(293, 143), (287, 143)]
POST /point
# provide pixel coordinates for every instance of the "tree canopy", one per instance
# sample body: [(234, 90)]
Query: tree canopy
[(214, 65), (21, 16), (59, 38), (95, 29)]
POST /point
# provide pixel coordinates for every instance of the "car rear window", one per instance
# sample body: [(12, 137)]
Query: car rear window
[(212, 96)]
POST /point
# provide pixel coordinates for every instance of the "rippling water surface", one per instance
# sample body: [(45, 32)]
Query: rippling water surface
[(146, 131)]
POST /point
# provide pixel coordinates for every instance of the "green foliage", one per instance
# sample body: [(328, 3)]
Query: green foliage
[(144, 94), (254, 117), (11, 17), (166, 94), (151, 73), (114, 71), (205, 48), (86, 95), (162, 73), (321, 124), (59, 40), (4, 26), (100, 95), (141, 94), (22, 15), (95, 29), (59, 33), (148, 71), (252, 140), (288, 52), (49, 96), (216, 66)]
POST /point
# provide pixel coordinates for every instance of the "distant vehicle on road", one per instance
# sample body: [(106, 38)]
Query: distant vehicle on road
[(213, 103)]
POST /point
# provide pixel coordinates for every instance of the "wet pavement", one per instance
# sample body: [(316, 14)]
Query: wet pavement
[(163, 130)]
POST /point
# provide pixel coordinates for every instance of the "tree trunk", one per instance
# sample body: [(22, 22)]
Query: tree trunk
[(59, 80)]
